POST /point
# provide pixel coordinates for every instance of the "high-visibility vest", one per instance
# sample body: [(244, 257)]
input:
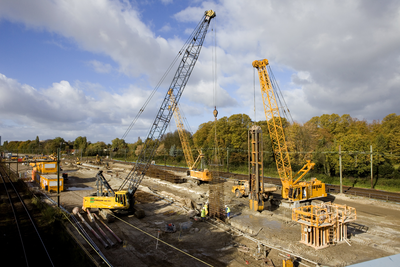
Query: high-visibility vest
[(203, 213), (228, 210)]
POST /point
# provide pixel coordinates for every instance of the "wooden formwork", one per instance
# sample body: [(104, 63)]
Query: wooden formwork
[(324, 224)]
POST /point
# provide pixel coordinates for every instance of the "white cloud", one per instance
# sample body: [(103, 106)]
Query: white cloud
[(100, 67), (68, 111), (108, 27), (165, 28), (342, 55), (166, 2), (334, 57)]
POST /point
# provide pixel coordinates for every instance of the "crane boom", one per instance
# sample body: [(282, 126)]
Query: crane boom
[(124, 199), (183, 137), (199, 175), (274, 121), (159, 126), (292, 188)]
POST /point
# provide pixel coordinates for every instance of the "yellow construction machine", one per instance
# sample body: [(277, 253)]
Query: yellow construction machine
[(53, 156), (124, 199), (201, 175), (241, 188), (98, 160), (292, 188)]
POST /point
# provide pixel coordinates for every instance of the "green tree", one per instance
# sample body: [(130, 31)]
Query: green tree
[(238, 128), (118, 144), (81, 143), (391, 130), (96, 148), (202, 135), (172, 139), (5, 144)]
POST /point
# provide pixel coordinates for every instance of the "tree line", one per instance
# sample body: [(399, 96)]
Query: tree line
[(319, 140)]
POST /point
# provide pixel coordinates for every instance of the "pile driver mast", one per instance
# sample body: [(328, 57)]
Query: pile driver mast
[(292, 188), (190, 53)]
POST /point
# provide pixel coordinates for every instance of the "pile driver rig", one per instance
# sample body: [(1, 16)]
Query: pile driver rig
[(292, 188), (124, 199)]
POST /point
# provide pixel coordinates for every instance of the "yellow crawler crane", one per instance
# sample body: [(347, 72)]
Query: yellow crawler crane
[(200, 175), (292, 188)]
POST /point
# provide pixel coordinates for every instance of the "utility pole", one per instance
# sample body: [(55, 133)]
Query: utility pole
[(340, 169), (372, 169), (58, 176), (227, 159)]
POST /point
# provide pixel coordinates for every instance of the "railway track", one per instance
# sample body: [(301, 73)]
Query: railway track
[(353, 191), (20, 240)]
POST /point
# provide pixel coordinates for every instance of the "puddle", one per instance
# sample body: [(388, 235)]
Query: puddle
[(78, 188), (257, 222)]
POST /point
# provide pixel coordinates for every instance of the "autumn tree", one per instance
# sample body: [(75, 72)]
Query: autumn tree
[(80, 143)]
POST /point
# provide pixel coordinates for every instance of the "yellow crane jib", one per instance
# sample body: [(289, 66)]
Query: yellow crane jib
[(200, 176), (292, 188)]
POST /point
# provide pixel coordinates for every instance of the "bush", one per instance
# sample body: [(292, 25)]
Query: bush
[(396, 175), (384, 170)]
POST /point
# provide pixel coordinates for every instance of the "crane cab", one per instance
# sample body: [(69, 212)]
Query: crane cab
[(117, 202)]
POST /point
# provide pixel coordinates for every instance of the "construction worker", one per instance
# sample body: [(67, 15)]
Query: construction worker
[(203, 214), (206, 208), (228, 211)]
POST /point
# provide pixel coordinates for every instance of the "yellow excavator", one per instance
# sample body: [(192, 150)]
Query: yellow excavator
[(292, 188), (124, 197), (201, 176)]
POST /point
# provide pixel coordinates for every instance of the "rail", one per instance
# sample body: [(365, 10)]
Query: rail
[(23, 222)]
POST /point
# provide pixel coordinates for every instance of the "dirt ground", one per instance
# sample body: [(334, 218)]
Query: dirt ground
[(247, 239)]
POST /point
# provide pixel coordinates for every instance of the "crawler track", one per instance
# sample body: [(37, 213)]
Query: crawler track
[(20, 239)]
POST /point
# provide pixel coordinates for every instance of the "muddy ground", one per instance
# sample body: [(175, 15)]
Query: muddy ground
[(375, 234)]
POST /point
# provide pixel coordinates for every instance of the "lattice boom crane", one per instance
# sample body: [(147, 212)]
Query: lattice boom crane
[(292, 188), (124, 198)]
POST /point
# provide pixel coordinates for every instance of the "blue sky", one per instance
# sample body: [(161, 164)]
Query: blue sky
[(85, 68)]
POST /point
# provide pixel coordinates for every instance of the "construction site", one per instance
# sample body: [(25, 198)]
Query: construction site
[(145, 213), (338, 231)]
